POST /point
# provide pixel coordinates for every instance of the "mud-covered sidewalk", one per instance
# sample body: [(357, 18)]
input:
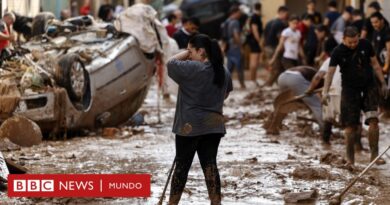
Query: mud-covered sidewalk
[(255, 168)]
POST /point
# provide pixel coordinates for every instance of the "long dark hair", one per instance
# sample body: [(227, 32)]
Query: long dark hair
[(214, 55)]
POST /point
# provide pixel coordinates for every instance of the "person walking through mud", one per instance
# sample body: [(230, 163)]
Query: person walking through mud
[(381, 44), (289, 44), (254, 42), (204, 84), (272, 31), (232, 33), (357, 62)]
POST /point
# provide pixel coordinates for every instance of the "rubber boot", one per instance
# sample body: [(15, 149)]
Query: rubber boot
[(326, 132), (213, 183), (350, 141)]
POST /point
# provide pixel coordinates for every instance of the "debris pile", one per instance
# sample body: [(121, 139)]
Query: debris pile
[(9, 98), (332, 159), (311, 173), (299, 197)]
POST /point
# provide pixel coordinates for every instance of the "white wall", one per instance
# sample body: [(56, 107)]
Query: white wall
[(386, 8), (23, 7)]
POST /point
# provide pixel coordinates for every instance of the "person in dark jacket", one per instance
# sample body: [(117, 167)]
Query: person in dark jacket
[(311, 11), (186, 32), (381, 44), (368, 29), (204, 84), (272, 32), (254, 42), (332, 15), (357, 19), (106, 12)]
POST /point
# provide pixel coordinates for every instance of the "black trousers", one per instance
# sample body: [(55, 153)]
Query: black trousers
[(289, 63), (207, 148)]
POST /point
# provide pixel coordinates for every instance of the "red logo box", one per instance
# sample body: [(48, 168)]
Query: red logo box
[(79, 185)]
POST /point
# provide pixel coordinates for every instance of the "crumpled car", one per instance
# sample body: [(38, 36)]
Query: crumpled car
[(82, 75)]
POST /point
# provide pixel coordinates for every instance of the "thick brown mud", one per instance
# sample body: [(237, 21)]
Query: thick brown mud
[(255, 168)]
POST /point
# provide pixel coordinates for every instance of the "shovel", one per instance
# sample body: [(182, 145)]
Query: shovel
[(298, 97), (162, 197), (284, 103), (338, 198)]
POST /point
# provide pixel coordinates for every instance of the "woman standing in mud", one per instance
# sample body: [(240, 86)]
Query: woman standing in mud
[(204, 84)]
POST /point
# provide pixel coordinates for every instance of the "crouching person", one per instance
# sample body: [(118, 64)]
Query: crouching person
[(204, 84), (296, 79)]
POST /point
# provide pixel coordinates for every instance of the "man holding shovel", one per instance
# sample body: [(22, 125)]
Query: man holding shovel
[(357, 62)]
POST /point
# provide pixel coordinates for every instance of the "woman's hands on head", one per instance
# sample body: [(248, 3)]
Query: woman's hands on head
[(182, 55)]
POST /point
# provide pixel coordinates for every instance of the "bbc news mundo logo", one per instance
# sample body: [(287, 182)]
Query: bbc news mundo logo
[(33, 185), (79, 185)]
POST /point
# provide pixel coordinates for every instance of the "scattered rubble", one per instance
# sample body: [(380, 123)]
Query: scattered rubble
[(252, 160), (110, 132), (332, 159), (71, 156), (15, 168), (255, 97), (6, 145), (299, 197), (291, 157), (311, 173), (187, 191), (9, 97)]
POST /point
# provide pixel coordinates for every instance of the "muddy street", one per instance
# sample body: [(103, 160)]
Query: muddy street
[(255, 168)]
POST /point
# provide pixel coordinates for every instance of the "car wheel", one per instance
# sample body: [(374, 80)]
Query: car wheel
[(72, 75), (40, 23)]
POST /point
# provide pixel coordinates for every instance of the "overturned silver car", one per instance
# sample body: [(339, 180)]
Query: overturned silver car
[(92, 77)]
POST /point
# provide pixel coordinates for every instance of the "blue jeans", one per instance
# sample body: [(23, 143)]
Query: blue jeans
[(234, 60)]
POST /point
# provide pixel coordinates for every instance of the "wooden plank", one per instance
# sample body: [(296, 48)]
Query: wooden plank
[(15, 168)]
